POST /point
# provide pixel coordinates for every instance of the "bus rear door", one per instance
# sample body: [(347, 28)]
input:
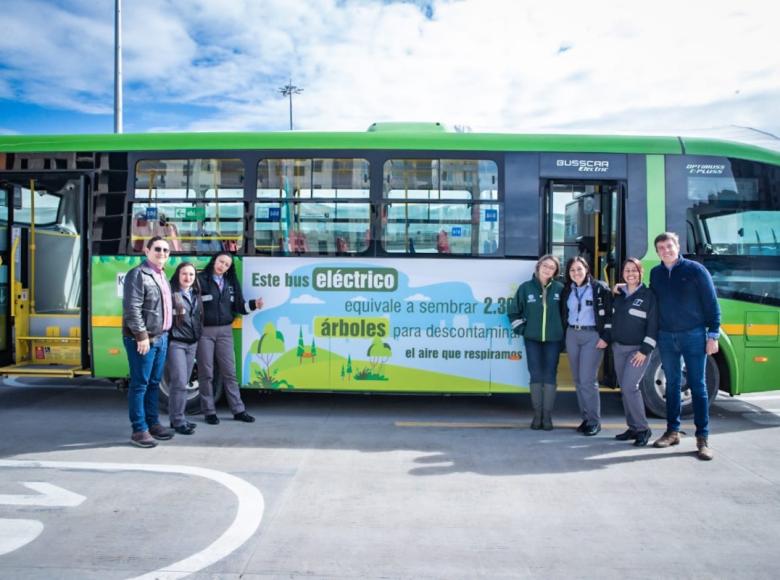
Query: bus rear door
[(45, 252)]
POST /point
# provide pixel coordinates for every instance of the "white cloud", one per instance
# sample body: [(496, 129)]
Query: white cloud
[(306, 299), (417, 298), (490, 64), (359, 299)]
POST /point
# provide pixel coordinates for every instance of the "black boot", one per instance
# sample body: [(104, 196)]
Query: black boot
[(536, 403), (548, 401)]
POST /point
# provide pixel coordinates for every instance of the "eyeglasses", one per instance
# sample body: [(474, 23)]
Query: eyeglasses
[(161, 249)]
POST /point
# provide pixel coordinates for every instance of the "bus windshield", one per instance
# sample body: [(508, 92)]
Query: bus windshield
[(734, 227)]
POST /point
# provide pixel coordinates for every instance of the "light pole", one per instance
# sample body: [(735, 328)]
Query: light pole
[(287, 91), (118, 66)]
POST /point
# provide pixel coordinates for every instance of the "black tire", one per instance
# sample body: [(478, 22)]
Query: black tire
[(654, 386), (193, 394)]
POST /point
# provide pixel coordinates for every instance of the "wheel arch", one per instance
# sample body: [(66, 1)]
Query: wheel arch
[(728, 364)]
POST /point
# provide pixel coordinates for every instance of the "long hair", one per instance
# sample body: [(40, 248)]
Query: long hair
[(636, 263), (571, 262), (176, 299), (176, 285), (230, 275)]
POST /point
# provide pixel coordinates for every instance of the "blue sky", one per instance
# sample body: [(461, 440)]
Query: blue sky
[(497, 65)]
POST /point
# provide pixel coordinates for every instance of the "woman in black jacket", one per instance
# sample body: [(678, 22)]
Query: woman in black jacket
[(183, 342), (586, 309), (634, 330), (222, 302)]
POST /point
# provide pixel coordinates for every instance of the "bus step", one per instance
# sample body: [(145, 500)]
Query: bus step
[(29, 369)]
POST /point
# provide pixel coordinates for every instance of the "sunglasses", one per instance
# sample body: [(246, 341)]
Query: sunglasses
[(161, 249)]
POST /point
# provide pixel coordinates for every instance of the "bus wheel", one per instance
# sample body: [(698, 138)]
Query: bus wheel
[(192, 390), (653, 386)]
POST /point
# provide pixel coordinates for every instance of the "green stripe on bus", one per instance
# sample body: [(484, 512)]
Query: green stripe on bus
[(656, 200)]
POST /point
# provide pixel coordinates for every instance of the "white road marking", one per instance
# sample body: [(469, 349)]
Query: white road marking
[(248, 515), (49, 495), (752, 397), (17, 533)]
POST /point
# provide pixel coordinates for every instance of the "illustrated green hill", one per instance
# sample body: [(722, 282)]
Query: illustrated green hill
[(324, 372)]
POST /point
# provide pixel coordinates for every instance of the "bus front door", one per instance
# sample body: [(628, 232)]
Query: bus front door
[(584, 219), (45, 274)]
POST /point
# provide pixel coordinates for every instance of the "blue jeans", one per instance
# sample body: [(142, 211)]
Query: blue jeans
[(145, 374), (543, 360), (691, 345)]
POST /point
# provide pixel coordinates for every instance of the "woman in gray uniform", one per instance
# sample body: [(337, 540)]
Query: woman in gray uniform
[(183, 342), (634, 329), (586, 311)]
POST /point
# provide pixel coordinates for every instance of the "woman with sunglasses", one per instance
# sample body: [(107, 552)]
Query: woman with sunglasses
[(185, 332), (146, 320), (222, 302)]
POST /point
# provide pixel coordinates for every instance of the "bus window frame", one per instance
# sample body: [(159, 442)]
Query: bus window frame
[(311, 155), (376, 159), (434, 154), (134, 157)]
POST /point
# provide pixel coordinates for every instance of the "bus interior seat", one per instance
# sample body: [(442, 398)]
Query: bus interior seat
[(145, 230)]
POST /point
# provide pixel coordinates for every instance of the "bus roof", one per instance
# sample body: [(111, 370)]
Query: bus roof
[(411, 139)]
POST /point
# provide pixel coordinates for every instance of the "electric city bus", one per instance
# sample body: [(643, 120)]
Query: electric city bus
[(386, 259)]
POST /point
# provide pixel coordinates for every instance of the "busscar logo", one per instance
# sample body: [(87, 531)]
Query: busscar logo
[(585, 165), (705, 168)]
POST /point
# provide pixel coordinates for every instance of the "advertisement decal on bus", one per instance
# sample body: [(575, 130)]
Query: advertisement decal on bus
[(389, 325)]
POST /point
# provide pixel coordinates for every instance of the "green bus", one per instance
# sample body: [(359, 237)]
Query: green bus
[(385, 259)]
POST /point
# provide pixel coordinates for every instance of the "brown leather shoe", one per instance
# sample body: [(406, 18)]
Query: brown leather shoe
[(703, 450), (667, 439), (142, 439), (160, 432)]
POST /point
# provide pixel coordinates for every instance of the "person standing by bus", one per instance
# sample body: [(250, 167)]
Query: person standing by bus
[(586, 307), (146, 319), (183, 345), (688, 327), (222, 302), (535, 315), (633, 338)]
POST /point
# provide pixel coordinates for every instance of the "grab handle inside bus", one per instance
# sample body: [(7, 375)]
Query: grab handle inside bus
[(12, 267)]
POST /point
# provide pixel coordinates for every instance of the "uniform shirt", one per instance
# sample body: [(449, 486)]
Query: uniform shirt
[(635, 319), (580, 303)]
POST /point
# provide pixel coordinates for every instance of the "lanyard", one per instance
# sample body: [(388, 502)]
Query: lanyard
[(579, 298)]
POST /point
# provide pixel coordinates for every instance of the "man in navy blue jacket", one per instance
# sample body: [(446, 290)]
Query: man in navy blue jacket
[(688, 327)]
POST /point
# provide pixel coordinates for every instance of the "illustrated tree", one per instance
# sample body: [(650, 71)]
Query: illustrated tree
[(342, 372), (313, 350), (301, 348), (349, 367), (378, 354), (269, 345)]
